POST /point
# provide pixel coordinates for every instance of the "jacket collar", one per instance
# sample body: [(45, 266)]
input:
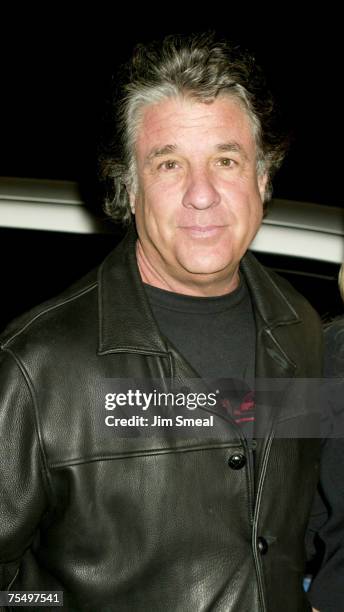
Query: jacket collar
[(269, 302), (126, 322)]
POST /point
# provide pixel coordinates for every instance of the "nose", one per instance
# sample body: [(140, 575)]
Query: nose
[(200, 192)]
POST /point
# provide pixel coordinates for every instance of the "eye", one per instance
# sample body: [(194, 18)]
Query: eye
[(226, 162), (169, 164)]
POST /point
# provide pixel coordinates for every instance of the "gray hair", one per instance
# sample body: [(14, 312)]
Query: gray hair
[(198, 67)]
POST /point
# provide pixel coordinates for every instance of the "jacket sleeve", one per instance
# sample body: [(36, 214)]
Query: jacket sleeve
[(23, 496), (327, 588)]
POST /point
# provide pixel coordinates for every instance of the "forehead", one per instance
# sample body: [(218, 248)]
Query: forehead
[(181, 122)]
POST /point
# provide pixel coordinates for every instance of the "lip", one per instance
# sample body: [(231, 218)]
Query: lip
[(202, 231)]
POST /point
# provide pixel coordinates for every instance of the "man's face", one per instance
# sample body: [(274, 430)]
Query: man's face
[(198, 203)]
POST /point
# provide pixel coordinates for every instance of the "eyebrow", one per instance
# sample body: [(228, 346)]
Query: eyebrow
[(161, 151), (231, 147), (225, 147)]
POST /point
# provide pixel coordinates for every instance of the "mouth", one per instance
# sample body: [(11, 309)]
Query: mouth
[(202, 231)]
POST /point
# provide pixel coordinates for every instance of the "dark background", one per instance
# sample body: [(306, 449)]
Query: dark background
[(56, 74), (58, 71)]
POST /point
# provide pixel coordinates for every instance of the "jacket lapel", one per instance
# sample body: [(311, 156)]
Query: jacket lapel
[(126, 322), (275, 366)]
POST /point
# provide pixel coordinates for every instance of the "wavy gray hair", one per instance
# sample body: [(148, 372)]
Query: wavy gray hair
[(201, 68)]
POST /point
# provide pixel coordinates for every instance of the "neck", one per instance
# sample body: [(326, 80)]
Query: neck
[(202, 285)]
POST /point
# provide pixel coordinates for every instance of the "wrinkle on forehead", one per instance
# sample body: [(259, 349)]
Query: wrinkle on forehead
[(165, 123)]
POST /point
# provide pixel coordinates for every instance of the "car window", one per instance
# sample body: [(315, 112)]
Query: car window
[(37, 265), (316, 280)]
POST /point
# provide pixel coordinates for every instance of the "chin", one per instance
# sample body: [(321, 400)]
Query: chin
[(206, 266)]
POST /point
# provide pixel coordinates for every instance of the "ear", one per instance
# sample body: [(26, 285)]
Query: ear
[(132, 201), (262, 182)]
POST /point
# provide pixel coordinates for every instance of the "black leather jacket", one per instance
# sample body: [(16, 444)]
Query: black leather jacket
[(128, 524)]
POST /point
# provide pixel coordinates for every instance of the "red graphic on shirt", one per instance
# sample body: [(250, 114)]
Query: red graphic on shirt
[(242, 412)]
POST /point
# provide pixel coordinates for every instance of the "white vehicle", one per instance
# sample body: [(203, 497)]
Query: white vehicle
[(45, 225)]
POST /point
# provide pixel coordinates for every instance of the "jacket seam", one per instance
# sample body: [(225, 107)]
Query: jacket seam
[(249, 481), (171, 364), (146, 453), (101, 350), (258, 563), (34, 410), (132, 349), (49, 309)]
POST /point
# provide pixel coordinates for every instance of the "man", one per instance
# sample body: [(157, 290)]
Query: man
[(178, 520)]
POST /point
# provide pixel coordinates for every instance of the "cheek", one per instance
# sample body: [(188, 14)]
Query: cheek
[(159, 206), (244, 200), (155, 218), (157, 186)]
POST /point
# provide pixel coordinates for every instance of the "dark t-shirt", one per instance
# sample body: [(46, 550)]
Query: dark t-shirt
[(216, 335)]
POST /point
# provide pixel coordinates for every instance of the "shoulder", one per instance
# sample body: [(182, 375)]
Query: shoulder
[(334, 348), (278, 293), (298, 301), (53, 318), (334, 331)]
